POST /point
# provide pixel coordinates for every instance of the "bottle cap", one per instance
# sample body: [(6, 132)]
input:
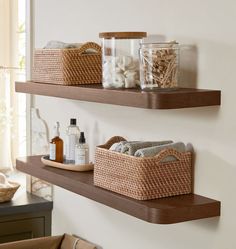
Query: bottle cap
[(82, 139), (73, 121), (56, 129)]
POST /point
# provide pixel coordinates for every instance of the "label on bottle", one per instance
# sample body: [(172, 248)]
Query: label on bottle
[(71, 141), (81, 157), (52, 155)]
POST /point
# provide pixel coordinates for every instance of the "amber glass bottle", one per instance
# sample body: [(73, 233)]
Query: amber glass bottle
[(56, 146)]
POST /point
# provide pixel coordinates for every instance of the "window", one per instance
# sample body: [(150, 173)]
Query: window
[(12, 68), (22, 77)]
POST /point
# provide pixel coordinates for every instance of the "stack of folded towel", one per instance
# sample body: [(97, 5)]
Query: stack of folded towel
[(63, 45), (149, 149)]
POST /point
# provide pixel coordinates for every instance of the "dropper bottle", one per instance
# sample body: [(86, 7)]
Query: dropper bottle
[(56, 145)]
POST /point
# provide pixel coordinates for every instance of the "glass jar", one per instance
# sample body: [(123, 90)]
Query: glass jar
[(159, 65), (121, 59)]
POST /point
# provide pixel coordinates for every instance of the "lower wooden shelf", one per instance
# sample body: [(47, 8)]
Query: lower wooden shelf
[(160, 211)]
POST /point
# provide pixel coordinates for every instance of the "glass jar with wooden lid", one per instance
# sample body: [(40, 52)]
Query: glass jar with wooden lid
[(121, 58)]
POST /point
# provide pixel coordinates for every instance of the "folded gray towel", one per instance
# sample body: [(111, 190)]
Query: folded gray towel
[(153, 151), (61, 45), (131, 147)]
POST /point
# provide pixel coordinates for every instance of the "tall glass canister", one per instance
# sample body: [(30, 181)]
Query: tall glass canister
[(121, 59), (159, 65)]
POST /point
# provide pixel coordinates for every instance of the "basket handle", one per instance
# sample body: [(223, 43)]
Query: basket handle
[(168, 152), (90, 45), (112, 140)]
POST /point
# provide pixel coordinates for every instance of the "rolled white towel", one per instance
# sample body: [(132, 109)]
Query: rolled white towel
[(3, 178), (4, 182), (6, 185)]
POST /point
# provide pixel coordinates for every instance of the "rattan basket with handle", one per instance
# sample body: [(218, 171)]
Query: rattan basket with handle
[(142, 178), (6, 194), (72, 66)]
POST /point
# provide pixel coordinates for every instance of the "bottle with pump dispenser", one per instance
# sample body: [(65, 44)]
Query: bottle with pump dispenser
[(72, 137), (82, 151), (56, 145)]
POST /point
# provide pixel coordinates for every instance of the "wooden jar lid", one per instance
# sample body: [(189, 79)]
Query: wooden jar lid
[(123, 35)]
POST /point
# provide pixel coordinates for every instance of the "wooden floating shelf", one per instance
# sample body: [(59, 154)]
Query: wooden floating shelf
[(159, 211), (157, 99)]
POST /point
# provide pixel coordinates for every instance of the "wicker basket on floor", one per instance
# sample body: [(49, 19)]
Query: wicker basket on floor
[(72, 66), (6, 194), (142, 178)]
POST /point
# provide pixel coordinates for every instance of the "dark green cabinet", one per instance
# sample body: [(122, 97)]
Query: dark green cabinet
[(25, 217)]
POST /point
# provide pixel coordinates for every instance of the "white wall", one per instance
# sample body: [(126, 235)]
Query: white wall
[(205, 28)]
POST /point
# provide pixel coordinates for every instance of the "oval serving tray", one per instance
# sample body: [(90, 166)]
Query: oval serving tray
[(72, 167)]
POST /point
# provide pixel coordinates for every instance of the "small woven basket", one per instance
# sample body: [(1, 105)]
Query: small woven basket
[(6, 194), (142, 178), (72, 66)]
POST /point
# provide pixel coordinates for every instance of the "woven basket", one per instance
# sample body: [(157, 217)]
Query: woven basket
[(6, 194), (142, 178), (68, 66)]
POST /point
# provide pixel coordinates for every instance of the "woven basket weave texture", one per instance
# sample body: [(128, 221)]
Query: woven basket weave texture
[(68, 66), (142, 178), (6, 194)]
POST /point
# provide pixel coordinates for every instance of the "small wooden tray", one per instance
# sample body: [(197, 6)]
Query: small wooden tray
[(72, 167)]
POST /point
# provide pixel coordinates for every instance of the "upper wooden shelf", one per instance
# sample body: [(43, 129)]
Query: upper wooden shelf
[(158, 99), (160, 211)]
